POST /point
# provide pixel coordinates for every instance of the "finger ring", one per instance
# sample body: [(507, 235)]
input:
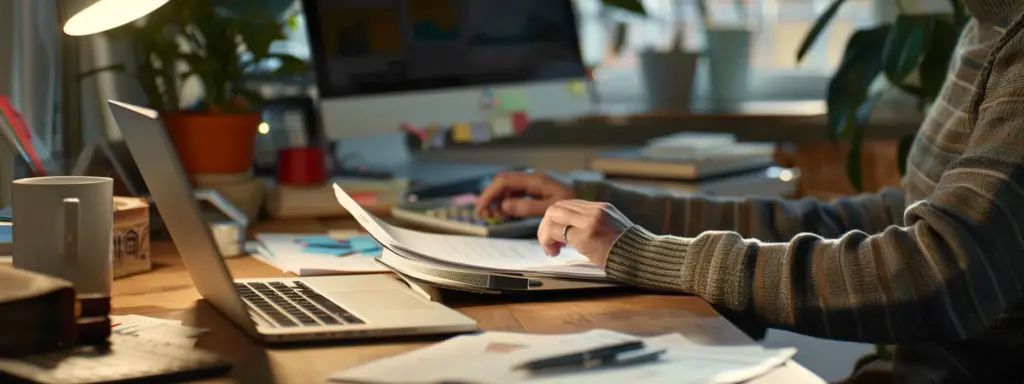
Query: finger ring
[(565, 234)]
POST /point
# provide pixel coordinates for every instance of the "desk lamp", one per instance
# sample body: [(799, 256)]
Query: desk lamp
[(109, 14)]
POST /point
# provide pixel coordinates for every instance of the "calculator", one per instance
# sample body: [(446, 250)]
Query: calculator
[(457, 215)]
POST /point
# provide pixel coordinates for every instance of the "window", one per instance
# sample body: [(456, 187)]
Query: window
[(779, 28)]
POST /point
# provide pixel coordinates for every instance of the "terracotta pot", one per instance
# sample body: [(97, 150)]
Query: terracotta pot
[(213, 143)]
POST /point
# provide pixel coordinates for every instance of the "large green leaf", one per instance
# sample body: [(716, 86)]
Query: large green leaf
[(935, 64), (819, 25), (634, 6), (848, 89), (856, 133), (907, 41)]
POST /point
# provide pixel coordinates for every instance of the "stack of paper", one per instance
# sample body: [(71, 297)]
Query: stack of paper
[(494, 357), (167, 331), (468, 252)]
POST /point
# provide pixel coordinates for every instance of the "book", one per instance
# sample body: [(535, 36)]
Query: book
[(292, 202), (733, 159)]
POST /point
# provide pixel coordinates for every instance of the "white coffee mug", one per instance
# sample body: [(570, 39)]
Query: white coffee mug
[(63, 227)]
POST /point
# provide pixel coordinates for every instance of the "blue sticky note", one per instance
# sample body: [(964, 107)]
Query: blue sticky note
[(330, 251), (324, 241), (364, 244)]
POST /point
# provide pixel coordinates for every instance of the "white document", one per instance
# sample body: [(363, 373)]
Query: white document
[(167, 331), (280, 250), (492, 357), (499, 255)]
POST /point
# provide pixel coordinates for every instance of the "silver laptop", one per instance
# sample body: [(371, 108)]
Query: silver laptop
[(274, 310)]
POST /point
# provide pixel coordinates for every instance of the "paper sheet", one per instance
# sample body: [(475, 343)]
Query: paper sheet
[(492, 357), (504, 255), (168, 331)]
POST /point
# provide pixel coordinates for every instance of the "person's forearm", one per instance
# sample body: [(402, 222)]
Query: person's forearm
[(930, 279), (767, 219)]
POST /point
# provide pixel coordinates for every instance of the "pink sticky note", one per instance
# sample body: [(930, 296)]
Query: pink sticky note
[(465, 199), (421, 134), (520, 121)]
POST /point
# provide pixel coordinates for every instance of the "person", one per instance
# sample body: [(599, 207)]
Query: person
[(936, 267)]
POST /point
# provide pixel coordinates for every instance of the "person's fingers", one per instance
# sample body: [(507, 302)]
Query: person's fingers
[(522, 207), (491, 195), (564, 214), (551, 246)]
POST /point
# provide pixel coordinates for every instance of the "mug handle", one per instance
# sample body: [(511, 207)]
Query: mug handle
[(71, 221)]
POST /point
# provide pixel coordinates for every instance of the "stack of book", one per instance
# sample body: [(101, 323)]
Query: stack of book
[(698, 162)]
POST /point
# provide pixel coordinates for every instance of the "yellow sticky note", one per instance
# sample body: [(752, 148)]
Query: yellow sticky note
[(462, 133), (501, 126), (577, 88), (511, 100)]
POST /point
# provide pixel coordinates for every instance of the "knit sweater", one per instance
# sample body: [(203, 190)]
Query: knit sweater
[(936, 267)]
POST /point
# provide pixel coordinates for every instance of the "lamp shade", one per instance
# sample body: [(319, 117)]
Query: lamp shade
[(108, 14)]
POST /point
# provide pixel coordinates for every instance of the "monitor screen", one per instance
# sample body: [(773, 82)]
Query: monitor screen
[(364, 47)]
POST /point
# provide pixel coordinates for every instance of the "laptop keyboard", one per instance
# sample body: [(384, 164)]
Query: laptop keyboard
[(293, 305)]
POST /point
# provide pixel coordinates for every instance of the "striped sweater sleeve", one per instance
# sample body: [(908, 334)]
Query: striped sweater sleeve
[(947, 272), (766, 219)]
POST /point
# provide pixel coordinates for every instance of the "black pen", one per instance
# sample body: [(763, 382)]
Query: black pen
[(576, 359), (627, 358)]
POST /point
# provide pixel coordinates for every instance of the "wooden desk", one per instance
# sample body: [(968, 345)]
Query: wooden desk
[(167, 292)]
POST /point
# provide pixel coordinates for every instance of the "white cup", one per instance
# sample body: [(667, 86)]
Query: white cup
[(63, 227)]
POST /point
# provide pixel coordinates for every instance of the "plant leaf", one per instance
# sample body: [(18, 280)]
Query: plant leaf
[(819, 25), (903, 151), (290, 65), (96, 71), (935, 64), (848, 89), (907, 41), (856, 132), (634, 6)]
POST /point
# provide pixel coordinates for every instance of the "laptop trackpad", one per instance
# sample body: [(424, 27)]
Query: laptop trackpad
[(389, 300)]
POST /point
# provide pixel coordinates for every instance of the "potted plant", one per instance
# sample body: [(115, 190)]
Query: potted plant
[(668, 75), (728, 55), (912, 54), (221, 48)]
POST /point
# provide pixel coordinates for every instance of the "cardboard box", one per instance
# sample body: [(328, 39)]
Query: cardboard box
[(131, 236)]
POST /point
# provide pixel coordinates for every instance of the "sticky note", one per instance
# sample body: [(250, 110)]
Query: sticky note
[(520, 122), (428, 136), (481, 132), (421, 134), (512, 100), (329, 251), (501, 126), (487, 99), (323, 241), (462, 133), (577, 88), (439, 138), (364, 244)]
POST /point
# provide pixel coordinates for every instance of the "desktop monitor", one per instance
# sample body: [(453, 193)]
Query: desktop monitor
[(383, 64)]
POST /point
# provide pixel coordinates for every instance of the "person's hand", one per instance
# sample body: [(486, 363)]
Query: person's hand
[(521, 194), (592, 228)]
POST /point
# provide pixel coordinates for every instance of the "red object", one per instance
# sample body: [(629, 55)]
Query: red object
[(24, 134), (301, 166), (520, 122)]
